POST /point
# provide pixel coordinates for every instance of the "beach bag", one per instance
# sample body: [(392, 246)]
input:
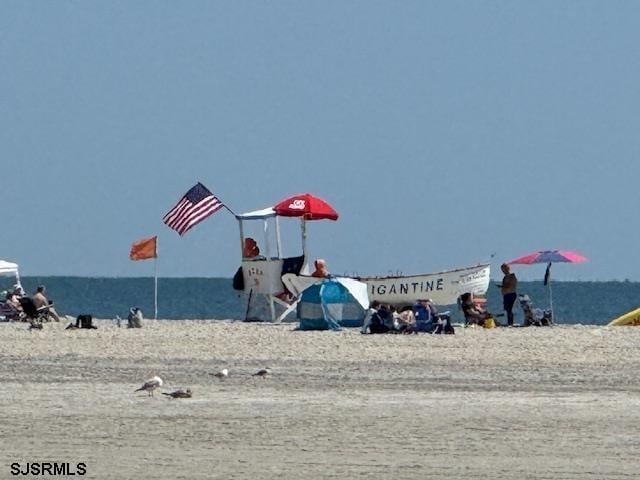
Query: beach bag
[(489, 323), (85, 321)]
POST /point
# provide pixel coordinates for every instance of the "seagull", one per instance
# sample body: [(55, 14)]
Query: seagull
[(150, 385), (261, 373), (222, 374), (179, 393)]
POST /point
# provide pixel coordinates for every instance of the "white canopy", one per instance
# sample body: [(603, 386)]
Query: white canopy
[(257, 214), (8, 268)]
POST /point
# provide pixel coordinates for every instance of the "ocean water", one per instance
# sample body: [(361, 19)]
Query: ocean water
[(593, 303)]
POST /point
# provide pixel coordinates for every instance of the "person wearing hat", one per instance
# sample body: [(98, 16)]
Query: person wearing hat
[(40, 301)]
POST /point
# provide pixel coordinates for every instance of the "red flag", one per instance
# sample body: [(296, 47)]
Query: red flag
[(144, 249)]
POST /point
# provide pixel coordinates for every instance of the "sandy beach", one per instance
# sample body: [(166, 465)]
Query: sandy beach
[(518, 403)]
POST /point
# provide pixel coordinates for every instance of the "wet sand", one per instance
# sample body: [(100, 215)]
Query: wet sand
[(518, 403)]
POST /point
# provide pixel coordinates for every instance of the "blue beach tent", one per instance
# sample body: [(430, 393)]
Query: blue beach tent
[(333, 303)]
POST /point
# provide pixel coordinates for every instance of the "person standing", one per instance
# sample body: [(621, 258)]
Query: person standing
[(508, 287)]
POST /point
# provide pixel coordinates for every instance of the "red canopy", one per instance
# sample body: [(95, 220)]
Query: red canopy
[(306, 205)]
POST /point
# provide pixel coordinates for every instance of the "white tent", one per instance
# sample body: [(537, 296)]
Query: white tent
[(9, 269)]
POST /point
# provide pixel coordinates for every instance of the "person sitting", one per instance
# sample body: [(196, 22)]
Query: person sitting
[(373, 321), (13, 298), (406, 320), (18, 290), (135, 318), (41, 303), (321, 269), (250, 248), (473, 314), (441, 321), (11, 308), (425, 321), (388, 318)]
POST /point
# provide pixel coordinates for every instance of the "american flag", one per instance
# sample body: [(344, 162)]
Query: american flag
[(196, 205)]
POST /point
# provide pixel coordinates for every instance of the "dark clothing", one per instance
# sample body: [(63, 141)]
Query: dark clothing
[(471, 313), (468, 308), (508, 300), (508, 288), (377, 324)]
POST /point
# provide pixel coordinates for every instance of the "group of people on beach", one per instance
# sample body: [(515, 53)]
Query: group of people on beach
[(474, 309), (422, 317), (21, 307)]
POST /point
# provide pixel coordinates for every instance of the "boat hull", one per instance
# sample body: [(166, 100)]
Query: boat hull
[(629, 318), (443, 288)]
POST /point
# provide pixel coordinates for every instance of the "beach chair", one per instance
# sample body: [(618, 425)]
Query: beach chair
[(534, 316), (468, 302), (9, 313), (35, 316)]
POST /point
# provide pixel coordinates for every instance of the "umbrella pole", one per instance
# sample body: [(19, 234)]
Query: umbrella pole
[(303, 229), (553, 315)]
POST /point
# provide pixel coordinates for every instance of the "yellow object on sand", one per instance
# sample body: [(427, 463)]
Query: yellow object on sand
[(489, 323), (631, 318)]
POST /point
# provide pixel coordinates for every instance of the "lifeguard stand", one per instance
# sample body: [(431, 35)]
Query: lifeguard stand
[(262, 274)]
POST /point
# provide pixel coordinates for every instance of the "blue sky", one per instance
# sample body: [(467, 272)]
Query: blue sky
[(443, 132)]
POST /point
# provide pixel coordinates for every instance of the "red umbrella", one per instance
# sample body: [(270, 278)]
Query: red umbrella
[(306, 205)]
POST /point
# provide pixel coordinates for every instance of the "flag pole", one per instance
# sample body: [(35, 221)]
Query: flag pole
[(155, 283)]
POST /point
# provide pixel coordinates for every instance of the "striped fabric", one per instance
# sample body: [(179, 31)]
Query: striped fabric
[(196, 205)]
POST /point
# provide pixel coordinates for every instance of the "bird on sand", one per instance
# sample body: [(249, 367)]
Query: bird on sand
[(150, 385), (179, 393), (222, 374), (261, 373)]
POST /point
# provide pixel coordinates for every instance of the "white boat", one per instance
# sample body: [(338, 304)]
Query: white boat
[(443, 288)]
